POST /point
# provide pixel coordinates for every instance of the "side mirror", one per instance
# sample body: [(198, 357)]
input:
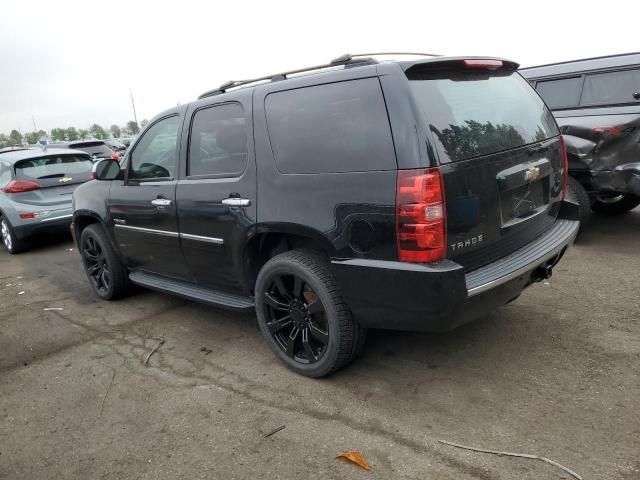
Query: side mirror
[(106, 169)]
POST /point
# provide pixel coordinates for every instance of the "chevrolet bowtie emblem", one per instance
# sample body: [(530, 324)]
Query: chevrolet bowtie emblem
[(531, 174), (65, 179)]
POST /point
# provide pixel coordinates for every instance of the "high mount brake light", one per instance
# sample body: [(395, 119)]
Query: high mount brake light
[(483, 64), (565, 167), (20, 186), (420, 215)]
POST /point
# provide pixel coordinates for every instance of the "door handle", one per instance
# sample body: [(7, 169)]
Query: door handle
[(161, 202), (236, 202)]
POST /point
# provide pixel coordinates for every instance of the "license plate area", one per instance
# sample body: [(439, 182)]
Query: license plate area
[(525, 202)]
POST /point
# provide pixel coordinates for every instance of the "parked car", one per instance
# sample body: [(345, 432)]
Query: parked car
[(35, 192), (596, 102), (116, 145), (414, 195), (97, 149)]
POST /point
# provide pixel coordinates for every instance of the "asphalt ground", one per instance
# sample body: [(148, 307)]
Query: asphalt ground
[(556, 373)]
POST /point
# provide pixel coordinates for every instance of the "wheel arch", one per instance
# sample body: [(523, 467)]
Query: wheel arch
[(83, 218), (268, 240)]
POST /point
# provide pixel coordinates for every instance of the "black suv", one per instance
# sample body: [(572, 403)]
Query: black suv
[(596, 102), (414, 195)]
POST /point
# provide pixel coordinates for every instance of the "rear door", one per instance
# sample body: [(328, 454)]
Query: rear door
[(142, 208), (500, 152), (216, 196)]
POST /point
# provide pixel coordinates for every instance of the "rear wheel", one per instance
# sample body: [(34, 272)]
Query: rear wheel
[(615, 204), (579, 194), (303, 316), (12, 243), (107, 276)]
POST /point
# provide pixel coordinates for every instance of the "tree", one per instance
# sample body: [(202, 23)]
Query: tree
[(31, 138), (15, 137), (4, 140), (83, 133), (98, 132), (132, 127), (72, 134), (144, 123), (115, 131), (58, 134)]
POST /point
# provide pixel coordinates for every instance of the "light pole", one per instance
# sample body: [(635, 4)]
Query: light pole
[(133, 105)]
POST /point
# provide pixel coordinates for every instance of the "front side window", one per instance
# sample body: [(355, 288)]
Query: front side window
[(154, 156), (564, 92), (333, 128), (218, 142), (611, 88)]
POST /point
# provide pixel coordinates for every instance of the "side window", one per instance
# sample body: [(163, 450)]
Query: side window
[(154, 156), (611, 87), (332, 128), (218, 141), (564, 92)]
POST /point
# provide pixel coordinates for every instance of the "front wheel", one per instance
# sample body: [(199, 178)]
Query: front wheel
[(107, 276), (303, 316), (615, 204)]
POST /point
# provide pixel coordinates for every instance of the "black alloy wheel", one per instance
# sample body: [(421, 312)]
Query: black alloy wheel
[(96, 264), (296, 318)]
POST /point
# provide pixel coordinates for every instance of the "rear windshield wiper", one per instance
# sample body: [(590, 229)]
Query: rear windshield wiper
[(53, 175)]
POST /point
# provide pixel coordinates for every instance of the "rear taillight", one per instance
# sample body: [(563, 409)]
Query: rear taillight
[(483, 64), (565, 167), (20, 186), (115, 156), (420, 215), (606, 131)]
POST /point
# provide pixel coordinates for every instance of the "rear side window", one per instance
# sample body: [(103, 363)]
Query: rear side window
[(332, 128), (474, 114), (611, 87), (564, 92), (53, 167), (218, 144)]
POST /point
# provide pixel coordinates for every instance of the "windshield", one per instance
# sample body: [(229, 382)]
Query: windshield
[(473, 114), (55, 166)]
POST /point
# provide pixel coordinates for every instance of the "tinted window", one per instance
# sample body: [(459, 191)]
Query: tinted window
[(100, 149), (610, 88), (218, 144), (564, 92), (53, 167), (478, 114), (339, 127), (154, 155)]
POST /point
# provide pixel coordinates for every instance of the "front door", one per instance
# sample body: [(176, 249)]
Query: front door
[(216, 195), (142, 208)]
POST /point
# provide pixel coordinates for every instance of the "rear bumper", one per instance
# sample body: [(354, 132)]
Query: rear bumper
[(440, 297), (32, 227)]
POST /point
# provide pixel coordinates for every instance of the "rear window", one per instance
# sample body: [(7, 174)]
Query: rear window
[(99, 149), (332, 128), (474, 114), (611, 87), (564, 92), (54, 166)]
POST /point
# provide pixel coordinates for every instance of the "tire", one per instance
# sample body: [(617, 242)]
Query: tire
[(298, 301), (11, 243), (579, 194), (616, 205), (106, 273)]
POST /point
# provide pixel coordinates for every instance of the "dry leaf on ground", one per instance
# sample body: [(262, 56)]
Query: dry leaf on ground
[(355, 457)]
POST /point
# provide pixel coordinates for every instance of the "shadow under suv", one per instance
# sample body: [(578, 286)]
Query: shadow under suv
[(413, 195)]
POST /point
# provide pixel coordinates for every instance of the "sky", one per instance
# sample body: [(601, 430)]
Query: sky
[(71, 63)]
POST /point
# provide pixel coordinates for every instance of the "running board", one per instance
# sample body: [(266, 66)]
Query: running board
[(192, 292)]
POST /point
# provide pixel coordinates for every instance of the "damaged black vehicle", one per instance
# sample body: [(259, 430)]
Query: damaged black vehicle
[(596, 103)]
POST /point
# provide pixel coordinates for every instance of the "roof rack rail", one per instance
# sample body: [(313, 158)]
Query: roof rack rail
[(346, 60)]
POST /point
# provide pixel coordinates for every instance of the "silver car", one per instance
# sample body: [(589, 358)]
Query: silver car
[(35, 191)]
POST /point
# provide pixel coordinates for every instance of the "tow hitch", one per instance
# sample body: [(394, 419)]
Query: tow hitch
[(543, 272)]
